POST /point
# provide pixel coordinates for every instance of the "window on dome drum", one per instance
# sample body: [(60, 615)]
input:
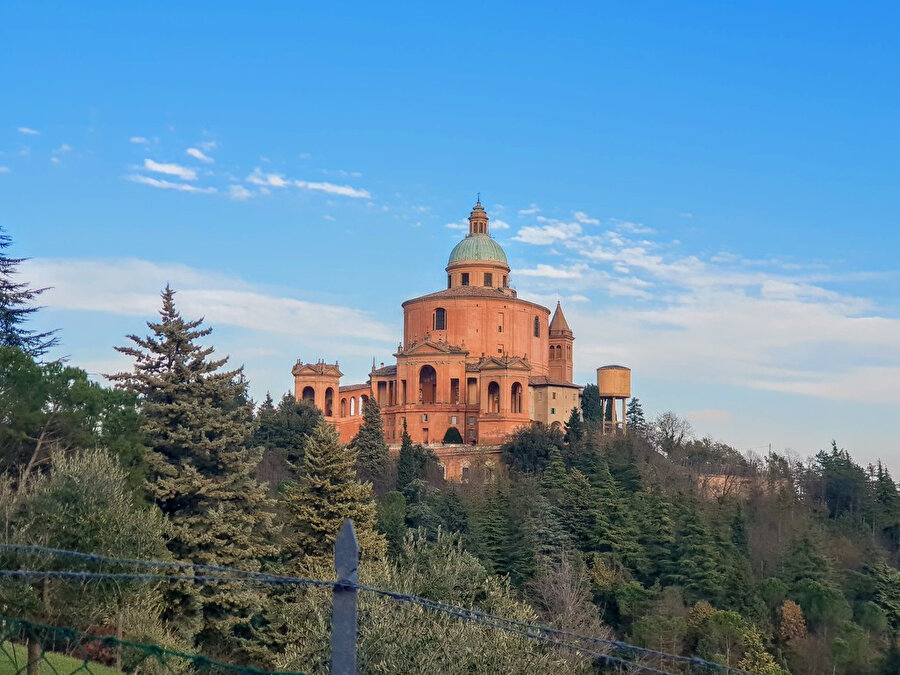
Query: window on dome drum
[(439, 321), (464, 279), (504, 281), (449, 278), (537, 327), (488, 279)]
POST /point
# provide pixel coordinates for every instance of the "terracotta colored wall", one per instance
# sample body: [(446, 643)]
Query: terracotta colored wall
[(474, 321)]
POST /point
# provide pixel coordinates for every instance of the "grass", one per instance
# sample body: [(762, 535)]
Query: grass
[(13, 660)]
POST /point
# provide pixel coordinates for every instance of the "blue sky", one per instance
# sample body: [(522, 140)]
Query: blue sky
[(711, 190)]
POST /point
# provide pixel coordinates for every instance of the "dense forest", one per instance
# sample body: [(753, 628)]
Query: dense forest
[(680, 544)]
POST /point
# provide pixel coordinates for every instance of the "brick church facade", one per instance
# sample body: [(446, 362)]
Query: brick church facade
[(475, 363)]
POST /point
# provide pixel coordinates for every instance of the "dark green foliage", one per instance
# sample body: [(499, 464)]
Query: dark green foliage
[(846, 488), (590, 405), (16, 298), (372, 458), (415, 462), (282, 430), (452, 435), (51, 407), (491, 533), (197, 423), (574, 427), (392, 519), (634, 417), (529, 449)]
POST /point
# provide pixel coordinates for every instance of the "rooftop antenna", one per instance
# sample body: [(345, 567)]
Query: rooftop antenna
[(479, 198)]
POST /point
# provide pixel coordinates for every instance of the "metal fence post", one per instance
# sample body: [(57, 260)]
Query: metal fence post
[(343, 617)]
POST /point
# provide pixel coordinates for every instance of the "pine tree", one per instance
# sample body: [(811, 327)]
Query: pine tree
[(326, 493), (634, 417), (574, 428), (372, 458), (15, 307), (201, 474), (406, 462)]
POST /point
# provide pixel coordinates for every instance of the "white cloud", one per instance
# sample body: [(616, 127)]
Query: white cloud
[(331, 188), (4, 169), (28, 131), (460, 225), (140, 140), (199, 154), (552, 231), (583, 218), (239, 192), (267, 179), (551, 272), (64, 148), (208, 145), (531, 210), (182, 172), (168, 185), (54, 160), (497, 224), (131, 288)]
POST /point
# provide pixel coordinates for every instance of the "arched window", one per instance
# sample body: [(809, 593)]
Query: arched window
[(343, 407), (552, 353), (493, 397), (439, 321), (516, 398), (352, 407), (558, 352), (362, 403), (309, 394), (329, 402), (427, 384), (537, 327)]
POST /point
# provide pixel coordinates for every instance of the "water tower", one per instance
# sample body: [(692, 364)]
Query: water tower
[(614, 384)]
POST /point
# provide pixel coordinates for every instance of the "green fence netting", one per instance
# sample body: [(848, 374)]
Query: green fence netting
[(36, 649)]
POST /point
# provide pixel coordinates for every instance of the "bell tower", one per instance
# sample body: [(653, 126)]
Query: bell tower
[(561, 340)]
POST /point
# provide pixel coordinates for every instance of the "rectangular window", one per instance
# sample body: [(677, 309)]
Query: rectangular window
[(453, 419), (425, 418), (471, 420), (499, 329), (552, 411), (488, 279), (499, 349), (464, 279), (448, 280)]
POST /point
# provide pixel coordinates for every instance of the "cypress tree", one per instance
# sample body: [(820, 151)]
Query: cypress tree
[(326, 493), (15, 307), (590, 404), (407, 466), (574, 427), (197, 421), (372, 458)]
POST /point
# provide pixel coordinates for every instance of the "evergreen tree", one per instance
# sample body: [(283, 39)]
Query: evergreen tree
[(529, 449), (325, 494), (15, 307), (634, 417), (372, 458), (491, 533), (406, 462), (574, 428), (591, 409), (197, 421)]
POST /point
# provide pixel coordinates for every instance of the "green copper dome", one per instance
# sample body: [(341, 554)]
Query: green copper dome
[(477, 247)]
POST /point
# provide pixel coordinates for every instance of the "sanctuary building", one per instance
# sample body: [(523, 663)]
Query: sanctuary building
[(475, 363)]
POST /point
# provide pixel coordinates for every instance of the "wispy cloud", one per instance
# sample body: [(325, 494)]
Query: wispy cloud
[(331, 188), (139, 140), (4, 169), (531, 210), (550, 232), (239, 192), (267, 179), (196, 153), (64, 148), (208, 145), (497, 224), (552, 272), (168, 185), (584, 219), (28, 131), (170, 169)]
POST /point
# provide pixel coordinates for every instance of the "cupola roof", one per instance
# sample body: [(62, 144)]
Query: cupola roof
[(478, 245)]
